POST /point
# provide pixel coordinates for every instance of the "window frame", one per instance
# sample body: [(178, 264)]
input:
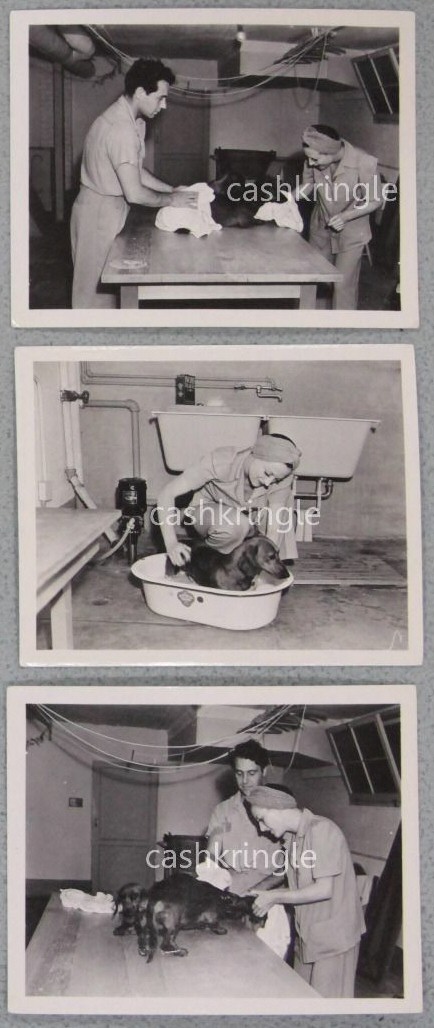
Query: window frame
[(380, 718)]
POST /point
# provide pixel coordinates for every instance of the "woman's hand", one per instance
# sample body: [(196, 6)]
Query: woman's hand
[(337, 222), (263, 902), (179, 554)]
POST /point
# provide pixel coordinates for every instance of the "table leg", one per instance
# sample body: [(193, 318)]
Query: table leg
[(307, 296), (129, 297), (61, 620)]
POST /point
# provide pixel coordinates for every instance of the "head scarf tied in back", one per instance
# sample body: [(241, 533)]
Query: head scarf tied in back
[(271, 799), (320, 142), (277, 448)]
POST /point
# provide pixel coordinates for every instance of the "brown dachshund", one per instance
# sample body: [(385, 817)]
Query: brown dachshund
[(236, 570), (183, 902), (126, 901)]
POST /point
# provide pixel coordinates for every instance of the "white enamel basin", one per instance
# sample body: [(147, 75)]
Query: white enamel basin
[(188, 433), (330, 447)]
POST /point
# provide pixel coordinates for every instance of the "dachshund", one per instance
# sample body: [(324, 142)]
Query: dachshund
[(237, 198), (233, 213), (126, 901), (234, 571), (183, 902)]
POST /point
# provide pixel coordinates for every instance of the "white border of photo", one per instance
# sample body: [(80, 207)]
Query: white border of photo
[(25, 317), (223, 355), (20, 696)]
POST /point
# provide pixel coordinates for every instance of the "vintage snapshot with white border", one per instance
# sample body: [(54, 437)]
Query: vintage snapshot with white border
[(234, 505), (302, 122), (207, 798)]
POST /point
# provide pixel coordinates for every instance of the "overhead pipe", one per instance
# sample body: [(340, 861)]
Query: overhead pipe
[(78, 39), (88, 377), (48, 43), (134, 410)]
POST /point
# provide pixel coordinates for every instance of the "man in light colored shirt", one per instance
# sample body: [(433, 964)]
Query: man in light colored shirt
[(113, 177), (236, 845)]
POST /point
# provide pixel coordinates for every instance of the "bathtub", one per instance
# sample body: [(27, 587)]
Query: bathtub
[(188, 433), (330, 447), (221, 608)]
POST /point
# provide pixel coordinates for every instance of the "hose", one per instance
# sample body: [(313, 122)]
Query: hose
[(119, 543)]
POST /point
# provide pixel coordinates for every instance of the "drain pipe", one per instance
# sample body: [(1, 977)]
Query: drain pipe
[(134, 410)]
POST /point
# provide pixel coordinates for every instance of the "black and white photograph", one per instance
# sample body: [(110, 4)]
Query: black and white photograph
[(255, 505), (270, 178), (195, 855)]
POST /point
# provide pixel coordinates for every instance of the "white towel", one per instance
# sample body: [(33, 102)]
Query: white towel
[(286, 215), (275, 933), (75, 899), (198, 220), (209, 871)]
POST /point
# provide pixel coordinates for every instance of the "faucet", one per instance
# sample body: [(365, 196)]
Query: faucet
[(269, 391)]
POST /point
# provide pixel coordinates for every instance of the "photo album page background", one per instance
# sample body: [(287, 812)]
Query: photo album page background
[(127, 683)]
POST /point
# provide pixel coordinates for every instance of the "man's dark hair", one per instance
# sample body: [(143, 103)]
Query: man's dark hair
[(147, 73), (250, 750), (327, 130)]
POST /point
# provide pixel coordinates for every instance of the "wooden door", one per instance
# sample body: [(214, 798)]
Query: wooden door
[(181, 140), (124, 821)]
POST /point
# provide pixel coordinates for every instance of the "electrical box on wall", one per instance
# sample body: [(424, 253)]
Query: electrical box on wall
[(185, 386), (75, 801)]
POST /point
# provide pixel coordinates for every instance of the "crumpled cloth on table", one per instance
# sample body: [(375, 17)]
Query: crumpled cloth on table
[(209, 871), (198, 220), (75, 899), (276, 932), (286, 215)]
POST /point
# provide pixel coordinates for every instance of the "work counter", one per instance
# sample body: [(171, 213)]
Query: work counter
[(262, 262)]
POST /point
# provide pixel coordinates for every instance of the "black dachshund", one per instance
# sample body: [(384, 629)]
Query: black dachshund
[(183, 902)]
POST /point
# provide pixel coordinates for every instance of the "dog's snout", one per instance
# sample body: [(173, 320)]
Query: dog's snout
[(283, 571)]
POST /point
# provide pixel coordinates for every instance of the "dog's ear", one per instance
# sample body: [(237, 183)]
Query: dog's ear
[(266, 551), (248, 562)]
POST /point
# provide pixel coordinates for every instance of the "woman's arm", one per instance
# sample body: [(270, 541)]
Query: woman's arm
[(189, 481), (338, 221), (316, 892)]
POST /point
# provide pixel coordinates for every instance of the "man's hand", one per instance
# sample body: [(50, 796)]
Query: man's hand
[(183, 198), (263, 902), (179, 554)]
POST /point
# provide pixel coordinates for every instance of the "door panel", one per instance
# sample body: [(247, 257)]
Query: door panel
[(182, 142), (123, 827)]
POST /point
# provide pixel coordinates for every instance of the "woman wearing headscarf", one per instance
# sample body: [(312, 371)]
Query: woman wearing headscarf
[(345, 186), (322, 888), (235, 492)]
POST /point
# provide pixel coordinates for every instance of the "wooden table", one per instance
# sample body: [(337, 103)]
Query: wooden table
[(259, 263), (65, 541), (76, 954)]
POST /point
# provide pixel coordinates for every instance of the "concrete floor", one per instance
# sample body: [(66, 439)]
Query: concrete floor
[(347, 595)]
